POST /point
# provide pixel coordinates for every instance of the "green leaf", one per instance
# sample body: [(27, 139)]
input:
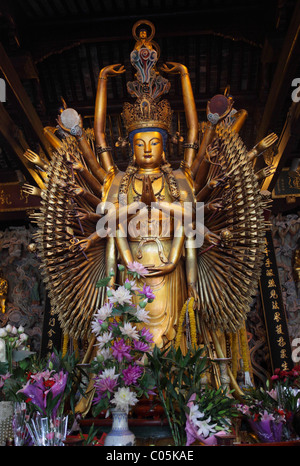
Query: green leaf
[(103, 282), (20, 355), (3, 368), (102, 405)]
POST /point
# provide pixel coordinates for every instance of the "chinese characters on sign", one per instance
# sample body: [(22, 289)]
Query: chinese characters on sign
[(273, 309), (13, 199), (51, 331)]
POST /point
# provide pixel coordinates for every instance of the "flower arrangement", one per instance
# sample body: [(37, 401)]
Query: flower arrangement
[(289, 378), (177, 376), (264, 416), (210, 412), (14, 358), (50, 384), (122, 373), (270, 410), (45, 390), (12, 339)]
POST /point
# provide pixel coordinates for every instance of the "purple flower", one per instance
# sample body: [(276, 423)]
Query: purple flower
[(43, 383), (131, 374), (141, 346), (121, 350), (147, 335), (35, 393), (104, 385), (60, 382), (147, 292)]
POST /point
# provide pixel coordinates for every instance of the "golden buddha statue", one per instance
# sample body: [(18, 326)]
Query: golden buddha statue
[(149, 201)]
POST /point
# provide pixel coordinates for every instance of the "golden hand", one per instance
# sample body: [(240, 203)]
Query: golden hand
[(82, 214), (193, 293), (210, 153), (36, 159), (147, 193), (212, 238), (112, 70), (160, 270), (175, 67), (265, 172), (82, 245), (213, 206), (212, 184), (32, 190), (268, 141)]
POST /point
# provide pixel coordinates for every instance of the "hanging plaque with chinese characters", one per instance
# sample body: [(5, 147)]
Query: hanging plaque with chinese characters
[(273, 309), (52, 334)]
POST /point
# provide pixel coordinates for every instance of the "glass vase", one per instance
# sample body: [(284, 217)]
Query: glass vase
[(120, 435), (48, 431), (19, 425)]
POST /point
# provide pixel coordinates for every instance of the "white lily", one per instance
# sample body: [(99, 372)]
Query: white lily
[(205, 428)]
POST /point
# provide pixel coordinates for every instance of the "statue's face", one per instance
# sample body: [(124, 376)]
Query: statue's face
[(148, 149), (143, 34)]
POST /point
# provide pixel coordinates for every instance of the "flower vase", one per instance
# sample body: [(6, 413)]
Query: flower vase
[(6, 417), (119, 435), (267, 431)]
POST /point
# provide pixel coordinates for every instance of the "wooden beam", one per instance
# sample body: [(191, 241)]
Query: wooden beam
[(13, 80), (284, 74), (15, 139)]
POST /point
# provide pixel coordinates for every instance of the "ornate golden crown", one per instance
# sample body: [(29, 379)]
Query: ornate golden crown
[(149, 86), (145, 113)]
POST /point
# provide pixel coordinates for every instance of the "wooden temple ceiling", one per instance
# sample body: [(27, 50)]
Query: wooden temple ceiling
[(56, 48)]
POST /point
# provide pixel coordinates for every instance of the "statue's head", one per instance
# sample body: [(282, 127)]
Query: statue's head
[(143, 33), (148, 120), (148, 147)]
